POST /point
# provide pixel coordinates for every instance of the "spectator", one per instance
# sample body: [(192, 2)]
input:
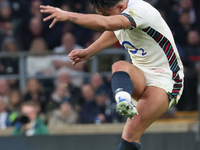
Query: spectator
[(100, 110), (67, 25), (4, 116), (64, 77), (30, 10), (89, 111), (9, 45), (35, 27), (61, 93), (68, 44), (34, 92), (14, 102), (193, 47), (8, 32), (9, 64), (87, 93), (90, 9), (181, 7), (80, 5), (65, 115), (34, 31), (63, 61), (4, 90), (181, 30), (39, 64), (187, 5), (5, 14), (31, 124), (96, 81), (82, 34), (67, 6), (107, 107), (188, 101), (35, 8)]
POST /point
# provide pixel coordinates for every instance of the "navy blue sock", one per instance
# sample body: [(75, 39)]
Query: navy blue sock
[(121, 82), (125, 145)]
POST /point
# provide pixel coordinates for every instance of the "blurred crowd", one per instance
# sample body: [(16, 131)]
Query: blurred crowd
[(68, 99)]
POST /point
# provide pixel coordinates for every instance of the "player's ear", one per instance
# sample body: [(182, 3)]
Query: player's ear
[(120, 6)]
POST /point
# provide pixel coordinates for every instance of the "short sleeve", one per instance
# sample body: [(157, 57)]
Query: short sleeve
[(139, 16)]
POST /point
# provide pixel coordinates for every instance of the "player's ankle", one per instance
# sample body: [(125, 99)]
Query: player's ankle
[(122, 86), (122, 95)]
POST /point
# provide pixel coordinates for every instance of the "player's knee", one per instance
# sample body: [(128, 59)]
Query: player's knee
[(119, 66)]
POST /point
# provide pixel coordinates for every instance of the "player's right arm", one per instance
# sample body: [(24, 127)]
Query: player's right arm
[(107, 39)]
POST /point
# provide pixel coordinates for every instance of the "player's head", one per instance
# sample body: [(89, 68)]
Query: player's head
[(109, 7)]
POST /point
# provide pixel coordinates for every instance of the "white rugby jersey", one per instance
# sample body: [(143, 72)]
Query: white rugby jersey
[(150, 43)]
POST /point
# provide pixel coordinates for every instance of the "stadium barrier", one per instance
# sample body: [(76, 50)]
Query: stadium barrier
[(181, 125), (160, 141), (150, 141), (22, 76), (164, 134)]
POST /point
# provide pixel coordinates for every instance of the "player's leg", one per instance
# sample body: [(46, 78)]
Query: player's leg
[(130, 78), (127, 80), (152, 104), (136, 76)]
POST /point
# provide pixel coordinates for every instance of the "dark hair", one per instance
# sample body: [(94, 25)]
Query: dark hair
[(103, 3)]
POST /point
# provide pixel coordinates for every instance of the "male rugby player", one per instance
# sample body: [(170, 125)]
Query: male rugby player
[(155, 77)]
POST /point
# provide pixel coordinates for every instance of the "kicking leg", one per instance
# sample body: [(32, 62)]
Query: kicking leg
[(152, 104), (136, 76), (124, 75)]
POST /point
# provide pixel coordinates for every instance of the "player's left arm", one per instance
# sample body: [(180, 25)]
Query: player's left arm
[(91, 21)]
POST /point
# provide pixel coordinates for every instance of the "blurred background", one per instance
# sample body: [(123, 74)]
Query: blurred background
[(46, 103)]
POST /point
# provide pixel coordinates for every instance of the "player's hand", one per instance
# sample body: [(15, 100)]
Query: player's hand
[(78, 55), (55, 13)]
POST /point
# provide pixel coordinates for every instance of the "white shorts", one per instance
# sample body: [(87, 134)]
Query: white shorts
[(163, 79)]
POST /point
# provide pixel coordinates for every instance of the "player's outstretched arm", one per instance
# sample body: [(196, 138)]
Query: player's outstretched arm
[(91, 21), (107, 39)]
